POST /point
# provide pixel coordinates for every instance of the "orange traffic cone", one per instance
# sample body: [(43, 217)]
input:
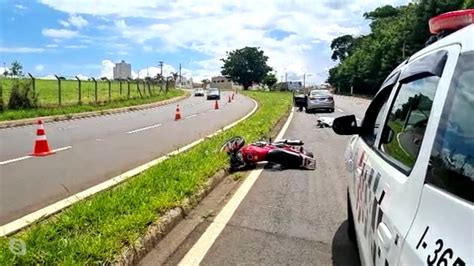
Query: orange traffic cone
[(41, 143), (177, 116), (232, 96), (229, 99), (216, 105)]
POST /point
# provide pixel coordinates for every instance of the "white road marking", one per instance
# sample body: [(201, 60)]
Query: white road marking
[(29, 156), (340, 110), (190, 116), (143, 128), (62, 149), (202, 246), (15, 160), (28, 219)]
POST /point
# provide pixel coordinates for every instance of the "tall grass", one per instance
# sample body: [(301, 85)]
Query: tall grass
[(95, 230)]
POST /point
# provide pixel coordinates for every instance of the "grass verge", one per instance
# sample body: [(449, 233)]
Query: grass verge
[(95, 230), (74, 109)]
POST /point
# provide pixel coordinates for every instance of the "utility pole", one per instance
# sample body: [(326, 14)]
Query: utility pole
[(160, 64), (304, 82), (180, 75)]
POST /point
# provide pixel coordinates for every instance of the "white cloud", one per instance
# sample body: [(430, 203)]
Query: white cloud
[(82, 77), (21, 7), (21, 50), (107, 69), (211, 28), (48, 77), (39, 67), (64, 23), (77, 21), (75, 46), (59, 33), (147, 48), (51, 45)]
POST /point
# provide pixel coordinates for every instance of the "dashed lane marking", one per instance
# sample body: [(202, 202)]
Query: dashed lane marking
[(29, 156), (143, 128)]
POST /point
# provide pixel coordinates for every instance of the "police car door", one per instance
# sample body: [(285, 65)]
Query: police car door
[(392, 171), (442, 233)]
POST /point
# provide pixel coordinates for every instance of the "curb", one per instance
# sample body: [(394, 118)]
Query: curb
[(164, 224), (56, 118), (158, 230)]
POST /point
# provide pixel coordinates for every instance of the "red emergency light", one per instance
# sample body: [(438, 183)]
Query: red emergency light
[(451, 21)]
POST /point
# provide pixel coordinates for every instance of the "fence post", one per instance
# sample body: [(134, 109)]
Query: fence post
[(59, 89), (110, 90), (128, 91), (95, 88), (149, 89), (79, 92), (33, 82), (138, 89), (120, 81)]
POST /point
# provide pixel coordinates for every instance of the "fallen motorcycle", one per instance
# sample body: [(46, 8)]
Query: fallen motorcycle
[(283, 154)]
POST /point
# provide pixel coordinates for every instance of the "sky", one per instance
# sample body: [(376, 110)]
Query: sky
[(87, 37)]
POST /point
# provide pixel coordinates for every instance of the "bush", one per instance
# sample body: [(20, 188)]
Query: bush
[(22, 96)]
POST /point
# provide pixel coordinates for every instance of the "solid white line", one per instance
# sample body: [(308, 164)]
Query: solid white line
[(143, 128), (62, 149), (202, 246), (58, 206), (340, 110), (15, 160), (190, 116), (29, 156)]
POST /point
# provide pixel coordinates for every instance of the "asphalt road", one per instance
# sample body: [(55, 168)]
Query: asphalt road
[(291, 217), (101, 148)]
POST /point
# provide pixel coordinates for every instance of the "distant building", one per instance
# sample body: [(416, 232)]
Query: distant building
[(122, 70), (222, 83), (294, 85), (186, 83)]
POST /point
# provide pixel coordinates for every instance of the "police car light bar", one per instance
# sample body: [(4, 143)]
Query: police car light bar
[(451, 21)]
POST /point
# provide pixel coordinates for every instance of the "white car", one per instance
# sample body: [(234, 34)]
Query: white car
[(411, 162), (199, 92)]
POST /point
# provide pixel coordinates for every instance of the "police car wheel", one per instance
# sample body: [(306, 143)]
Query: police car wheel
[(350, 221)]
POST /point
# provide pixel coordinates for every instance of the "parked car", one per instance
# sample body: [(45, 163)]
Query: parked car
[(199, 92), (213, 94), (411, 187), (320, 99)]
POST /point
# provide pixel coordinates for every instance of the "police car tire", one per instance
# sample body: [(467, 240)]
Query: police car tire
[(350, 221)]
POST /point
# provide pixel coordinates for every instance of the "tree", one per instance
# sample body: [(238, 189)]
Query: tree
[(270, 80), (246, 66), (341, 47), (205, 82), (16, 69), (5, 73)]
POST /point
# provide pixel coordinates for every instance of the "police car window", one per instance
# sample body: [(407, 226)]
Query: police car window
[(407, 119), (452, 157), (373, 120)]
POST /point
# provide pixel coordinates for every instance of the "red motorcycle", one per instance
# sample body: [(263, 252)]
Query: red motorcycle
[(283, 154)]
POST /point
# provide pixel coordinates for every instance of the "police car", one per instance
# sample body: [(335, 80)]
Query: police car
[(411, 161)]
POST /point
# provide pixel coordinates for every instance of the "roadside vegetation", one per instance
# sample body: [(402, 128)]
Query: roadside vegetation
[(19, 99), (95, 230), (396, 33)]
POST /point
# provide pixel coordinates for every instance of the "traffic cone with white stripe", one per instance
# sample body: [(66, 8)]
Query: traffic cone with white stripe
[(41, 143), (229, 100), (216, 105), (177, 116), (232, 96)]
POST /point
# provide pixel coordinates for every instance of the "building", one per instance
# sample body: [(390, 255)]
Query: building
[(122, 70), (186, 83), (221, 83)]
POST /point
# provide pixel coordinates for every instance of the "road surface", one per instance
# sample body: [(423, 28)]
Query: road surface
[(101, 148), (291, 217)]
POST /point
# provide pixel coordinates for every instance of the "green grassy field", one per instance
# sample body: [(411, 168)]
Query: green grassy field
[(47, 91), (49, 95), (95, 230)]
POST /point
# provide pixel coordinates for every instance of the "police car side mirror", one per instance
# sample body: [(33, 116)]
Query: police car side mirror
[(345, 125), (387, 135)]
